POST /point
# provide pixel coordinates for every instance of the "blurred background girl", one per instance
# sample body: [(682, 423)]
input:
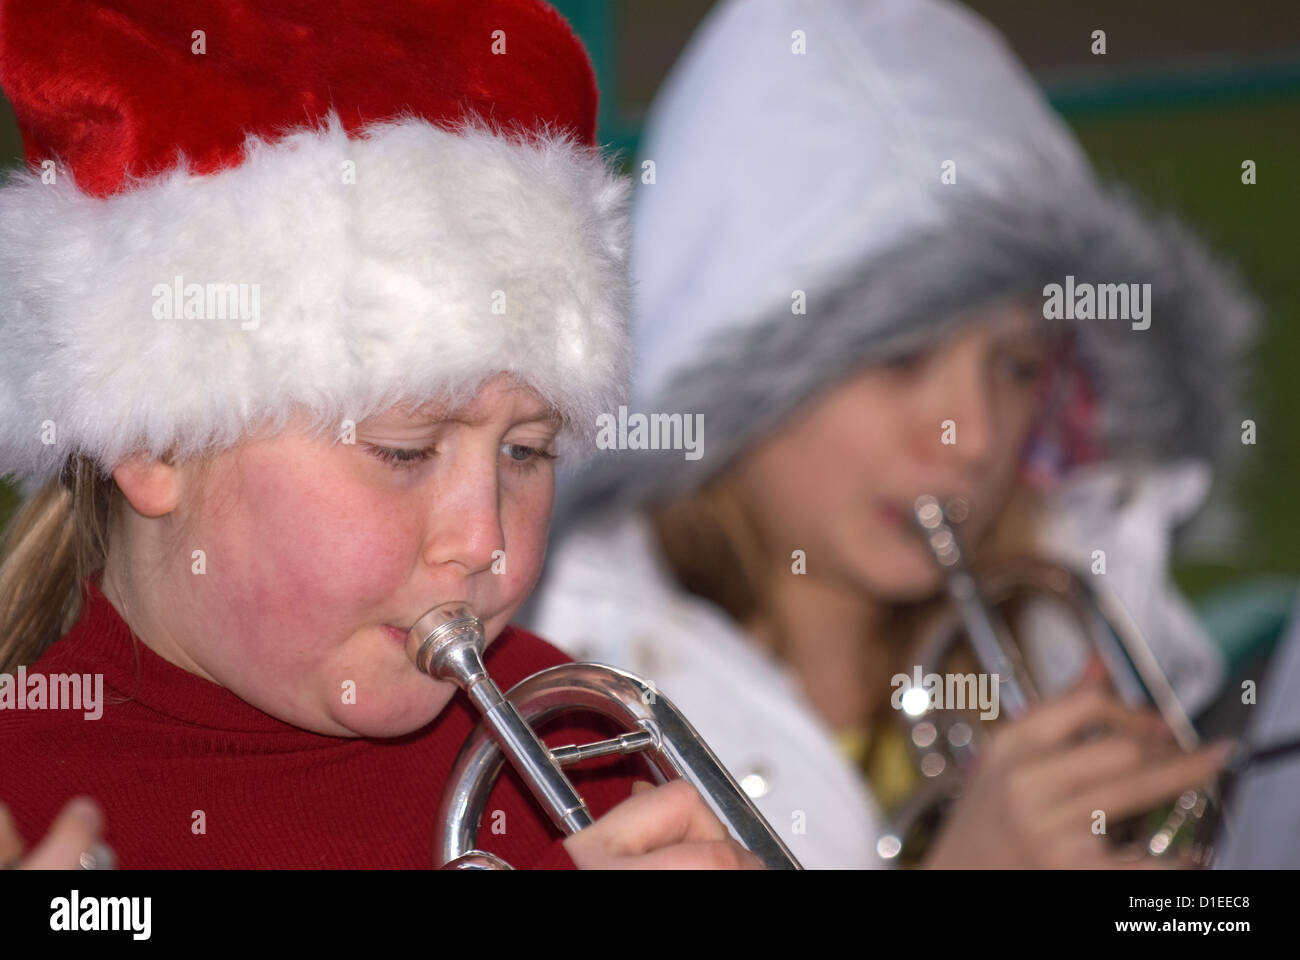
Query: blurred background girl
[(849, 220)]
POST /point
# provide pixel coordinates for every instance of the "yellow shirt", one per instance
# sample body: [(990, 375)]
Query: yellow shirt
[(884, 760)]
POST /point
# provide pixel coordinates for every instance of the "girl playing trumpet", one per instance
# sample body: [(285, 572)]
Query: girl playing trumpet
[(235, 518)]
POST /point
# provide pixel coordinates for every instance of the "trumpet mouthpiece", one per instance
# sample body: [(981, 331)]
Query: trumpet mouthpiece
[(447, 642)]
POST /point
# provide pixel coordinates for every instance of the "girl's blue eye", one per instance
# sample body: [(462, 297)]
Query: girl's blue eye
[(521, 456), (525, 458)]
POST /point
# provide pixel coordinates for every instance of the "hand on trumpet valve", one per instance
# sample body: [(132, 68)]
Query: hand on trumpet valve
[(1050, 787), (668, 827)]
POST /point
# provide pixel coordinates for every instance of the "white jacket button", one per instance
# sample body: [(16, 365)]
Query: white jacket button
[(755, 783)]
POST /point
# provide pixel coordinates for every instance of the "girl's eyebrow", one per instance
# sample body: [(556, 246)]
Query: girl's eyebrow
[(415, 418), (549, 416), (546, 415), (1030, 333)]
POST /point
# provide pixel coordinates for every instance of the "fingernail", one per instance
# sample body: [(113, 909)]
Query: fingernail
[(84, 808), (99, 857), (1224, 749)]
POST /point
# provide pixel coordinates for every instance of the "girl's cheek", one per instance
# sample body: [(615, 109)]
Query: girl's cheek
[(527, 521), (312, 542)]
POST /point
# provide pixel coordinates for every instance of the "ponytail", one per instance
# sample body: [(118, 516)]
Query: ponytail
[(58, 537)]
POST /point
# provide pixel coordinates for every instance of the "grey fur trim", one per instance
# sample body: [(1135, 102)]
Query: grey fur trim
[(1166, 392)]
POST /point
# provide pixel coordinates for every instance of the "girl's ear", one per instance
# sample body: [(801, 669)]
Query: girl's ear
[(151, 486)]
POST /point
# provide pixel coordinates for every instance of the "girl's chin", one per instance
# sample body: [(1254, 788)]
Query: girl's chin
[(385, 727), (416, 710), (902, 579), (893, 566)]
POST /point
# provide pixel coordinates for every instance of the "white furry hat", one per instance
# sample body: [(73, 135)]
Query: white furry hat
[(836, 192), (233, 211)]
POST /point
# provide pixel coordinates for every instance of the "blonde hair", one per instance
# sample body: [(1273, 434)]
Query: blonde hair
[(57, 537)]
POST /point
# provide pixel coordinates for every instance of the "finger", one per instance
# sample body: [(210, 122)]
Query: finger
[(1076, 847), (1053, 723), (1075, 769), (710, 855), (1152, 786), (75, 830), (1070, 843), (1105, 856), (669, 814), (11, 844), (1082, 850), (641, 786)]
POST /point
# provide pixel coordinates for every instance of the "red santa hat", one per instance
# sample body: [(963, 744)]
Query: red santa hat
[(232, 210)]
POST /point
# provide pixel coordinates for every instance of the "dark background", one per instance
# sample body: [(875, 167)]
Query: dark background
[(1186, 91)]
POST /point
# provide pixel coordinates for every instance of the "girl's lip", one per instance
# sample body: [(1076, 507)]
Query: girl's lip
[(400, 633)]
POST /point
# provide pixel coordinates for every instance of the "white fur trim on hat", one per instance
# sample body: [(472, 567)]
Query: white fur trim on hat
[(408, 264)]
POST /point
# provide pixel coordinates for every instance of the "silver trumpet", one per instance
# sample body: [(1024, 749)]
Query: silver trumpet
[(447, 644), (943, 742)]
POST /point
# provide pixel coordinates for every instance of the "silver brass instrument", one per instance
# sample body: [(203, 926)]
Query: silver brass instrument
[(943, 742), (447, 644)]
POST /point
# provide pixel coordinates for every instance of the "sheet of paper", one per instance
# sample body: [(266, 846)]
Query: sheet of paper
[(1264, 830)]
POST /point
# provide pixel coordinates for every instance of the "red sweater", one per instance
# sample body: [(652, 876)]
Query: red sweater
[(170, 743)]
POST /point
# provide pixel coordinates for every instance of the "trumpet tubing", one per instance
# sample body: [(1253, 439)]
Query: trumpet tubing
[(944, 742), (447, 644)]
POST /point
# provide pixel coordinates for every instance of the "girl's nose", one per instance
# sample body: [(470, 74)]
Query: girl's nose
[(959, 391), (465, 529)]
